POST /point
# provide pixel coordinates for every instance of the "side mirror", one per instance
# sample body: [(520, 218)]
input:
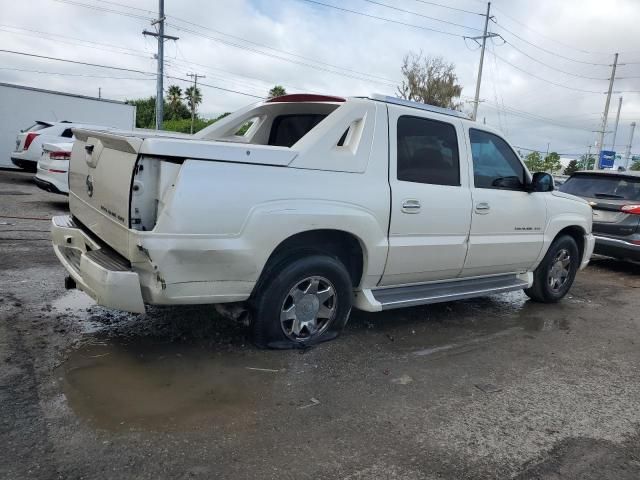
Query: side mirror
[(542, 182)]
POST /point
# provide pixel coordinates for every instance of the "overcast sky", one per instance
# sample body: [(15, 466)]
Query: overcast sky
[(250, 45)]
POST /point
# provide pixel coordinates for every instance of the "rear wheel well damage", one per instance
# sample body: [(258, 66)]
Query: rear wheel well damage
[(336, 243)]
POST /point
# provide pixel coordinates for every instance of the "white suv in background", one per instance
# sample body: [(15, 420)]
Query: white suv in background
[(29, 141)]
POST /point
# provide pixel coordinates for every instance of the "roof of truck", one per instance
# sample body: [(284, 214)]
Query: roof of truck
[(310, 97)]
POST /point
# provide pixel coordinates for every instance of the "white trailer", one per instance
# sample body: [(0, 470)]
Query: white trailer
[(21, 107)]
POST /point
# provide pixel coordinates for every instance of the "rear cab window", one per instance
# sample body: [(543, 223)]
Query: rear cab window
[(427, 151), (286, 130), (605, 187), (495, 164)]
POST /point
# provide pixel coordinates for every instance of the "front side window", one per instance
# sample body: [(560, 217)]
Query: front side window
[(495, 165), (427, 152)]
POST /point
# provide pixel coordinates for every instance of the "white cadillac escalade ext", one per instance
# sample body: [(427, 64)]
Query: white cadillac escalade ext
[(303, 206)]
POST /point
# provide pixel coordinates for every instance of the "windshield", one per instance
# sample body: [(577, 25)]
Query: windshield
[(603, 186)]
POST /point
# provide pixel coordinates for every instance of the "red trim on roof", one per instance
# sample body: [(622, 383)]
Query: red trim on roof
[(306, 97)]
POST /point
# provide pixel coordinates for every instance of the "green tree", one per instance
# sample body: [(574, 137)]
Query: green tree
[(277, 91), (635, 165), (534, 162), (571, 168), (145, 111), (587, 162), (194, 98), (430, 80), (552, 163), (176, 109)]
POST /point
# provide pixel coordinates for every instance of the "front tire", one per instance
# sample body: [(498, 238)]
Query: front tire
[(303, 302), (555, 275)]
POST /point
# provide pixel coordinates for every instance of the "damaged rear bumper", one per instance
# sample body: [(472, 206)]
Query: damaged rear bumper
[(100, 272)]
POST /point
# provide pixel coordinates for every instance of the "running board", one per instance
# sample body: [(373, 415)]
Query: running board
[(397, 297)]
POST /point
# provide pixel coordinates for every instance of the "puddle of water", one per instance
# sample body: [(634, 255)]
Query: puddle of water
[(160, 387), (540, 324), (73, 300)]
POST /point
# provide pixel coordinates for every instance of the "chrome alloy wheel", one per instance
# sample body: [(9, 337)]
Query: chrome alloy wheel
[(559, 271), (308, 309)]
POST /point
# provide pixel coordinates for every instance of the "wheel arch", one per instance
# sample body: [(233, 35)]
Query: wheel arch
[(343, 245), (577, 233)]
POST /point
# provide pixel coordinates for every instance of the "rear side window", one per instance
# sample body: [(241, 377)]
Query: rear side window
[(427, 152), (67, 133), (603, 186), (495, 165), (288, 129)]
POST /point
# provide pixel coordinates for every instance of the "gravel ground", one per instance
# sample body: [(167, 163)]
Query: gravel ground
[(497, 387)]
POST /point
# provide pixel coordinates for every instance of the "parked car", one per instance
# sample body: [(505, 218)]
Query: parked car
[(304, 206), (29, 141), (615, 199), (53, 167)]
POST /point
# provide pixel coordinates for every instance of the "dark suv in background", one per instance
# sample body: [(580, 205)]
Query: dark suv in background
[(615, 199)]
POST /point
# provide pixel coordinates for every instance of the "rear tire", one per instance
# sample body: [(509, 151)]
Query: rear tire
[(555, 275), (304, 301)]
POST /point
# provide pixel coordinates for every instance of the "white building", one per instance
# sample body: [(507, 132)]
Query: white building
[(21, 107)]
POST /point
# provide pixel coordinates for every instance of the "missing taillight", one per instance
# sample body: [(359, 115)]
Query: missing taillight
[(631, 209), (29, 139)]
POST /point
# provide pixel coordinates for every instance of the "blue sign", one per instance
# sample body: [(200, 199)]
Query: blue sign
[(607, 159)]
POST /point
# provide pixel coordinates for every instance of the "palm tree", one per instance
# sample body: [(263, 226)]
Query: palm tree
[(174, 98), (194, 98), (277, 91)]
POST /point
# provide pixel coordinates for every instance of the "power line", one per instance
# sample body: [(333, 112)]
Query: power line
[(522, 24), (552, 67), (368, 76), (260, 52), (421, 15), (269, 48), (532, 116), (73, 74), (449, 7), (542, 78), (104, 9), (111, 67), (384, 19), (546, 50)]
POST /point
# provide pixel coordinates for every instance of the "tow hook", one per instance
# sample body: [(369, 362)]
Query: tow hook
[(69, 283)]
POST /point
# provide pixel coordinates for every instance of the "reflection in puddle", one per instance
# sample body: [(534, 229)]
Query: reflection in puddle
[(541, 324), (161, 387)]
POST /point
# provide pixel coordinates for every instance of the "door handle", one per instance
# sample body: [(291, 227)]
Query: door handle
[(411, 206), (483, 208)]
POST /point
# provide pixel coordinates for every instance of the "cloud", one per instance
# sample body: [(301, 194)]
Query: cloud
[(532, 112)]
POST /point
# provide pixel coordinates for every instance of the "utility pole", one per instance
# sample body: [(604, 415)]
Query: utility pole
[(615, 129), (603, 130), (627, 154), (99, 92), (195, 77), (161, 37), (485, 35)]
